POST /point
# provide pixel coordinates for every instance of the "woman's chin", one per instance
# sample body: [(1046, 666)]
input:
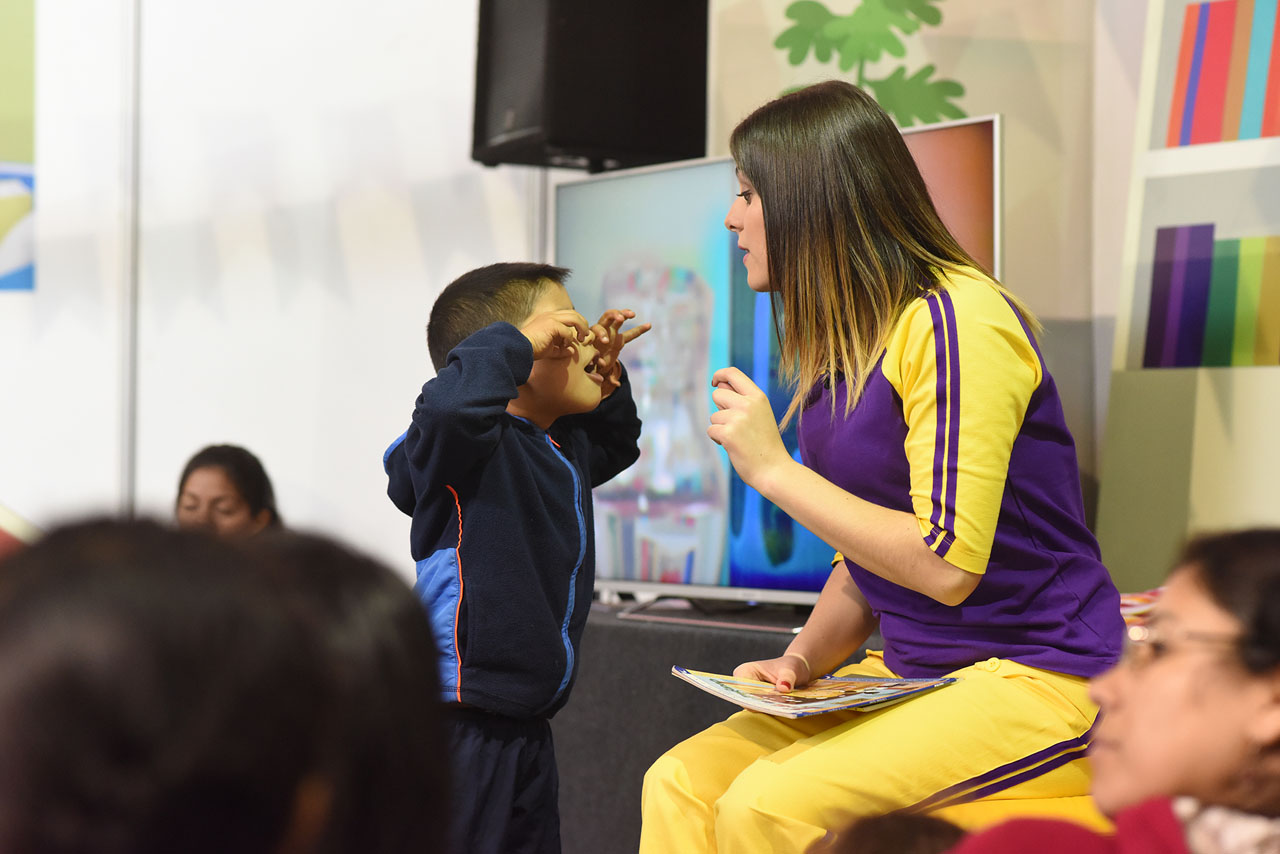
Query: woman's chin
[(1113, 797)]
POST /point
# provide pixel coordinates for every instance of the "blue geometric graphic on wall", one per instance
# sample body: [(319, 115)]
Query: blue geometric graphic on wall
[(17, 228)]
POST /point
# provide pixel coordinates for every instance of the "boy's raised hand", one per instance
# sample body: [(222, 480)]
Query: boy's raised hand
[(610, 338), (554, 334)]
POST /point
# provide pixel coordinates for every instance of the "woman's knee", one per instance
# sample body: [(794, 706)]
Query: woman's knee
[(759, 790), (664, 774), (763, 810)]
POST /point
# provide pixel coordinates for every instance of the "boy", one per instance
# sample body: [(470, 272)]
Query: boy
[(529, 409)]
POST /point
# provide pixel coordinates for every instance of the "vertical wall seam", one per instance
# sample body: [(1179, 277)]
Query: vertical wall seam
[(131, 181)]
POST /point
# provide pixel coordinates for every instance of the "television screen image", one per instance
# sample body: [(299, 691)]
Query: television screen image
[(680, 521)]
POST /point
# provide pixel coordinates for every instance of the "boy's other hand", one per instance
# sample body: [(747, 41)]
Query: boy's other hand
[(610, 338), (554, 334)]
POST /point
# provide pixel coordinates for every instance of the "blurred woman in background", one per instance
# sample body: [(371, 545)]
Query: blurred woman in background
[(225, 489)]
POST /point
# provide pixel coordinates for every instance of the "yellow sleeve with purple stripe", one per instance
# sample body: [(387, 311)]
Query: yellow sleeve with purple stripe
[(965, 335)]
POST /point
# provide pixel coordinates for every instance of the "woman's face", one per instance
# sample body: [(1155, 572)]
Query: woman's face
[(746, 219), (1178, 715), (210, 501)]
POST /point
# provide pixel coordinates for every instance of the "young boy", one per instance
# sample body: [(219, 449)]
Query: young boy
[(529, 409)]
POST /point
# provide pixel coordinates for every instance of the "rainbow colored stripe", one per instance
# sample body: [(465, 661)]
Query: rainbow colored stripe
[(1215, 302), (1227, 83)]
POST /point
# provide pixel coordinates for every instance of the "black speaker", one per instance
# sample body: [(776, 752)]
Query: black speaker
[(590, 84)]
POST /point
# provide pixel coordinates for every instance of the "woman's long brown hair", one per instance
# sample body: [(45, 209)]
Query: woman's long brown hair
[(851, 233)]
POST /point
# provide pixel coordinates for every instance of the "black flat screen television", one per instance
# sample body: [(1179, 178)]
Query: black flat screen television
[(680, 522)]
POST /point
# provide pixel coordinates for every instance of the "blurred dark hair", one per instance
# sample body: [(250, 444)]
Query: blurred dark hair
[(899, 833), (156, 695), (486, 295), (246, 473), (1240, 570), (386, 756)]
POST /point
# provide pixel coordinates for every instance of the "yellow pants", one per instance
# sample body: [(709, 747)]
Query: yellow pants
[(1004, 734)]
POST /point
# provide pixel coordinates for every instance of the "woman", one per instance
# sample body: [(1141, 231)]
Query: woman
[(937, 461), (1193, 710), (225, 489)]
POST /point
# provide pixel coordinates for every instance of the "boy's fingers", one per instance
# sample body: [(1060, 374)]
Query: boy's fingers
[(617, 315), (635, 332), (571, 318)]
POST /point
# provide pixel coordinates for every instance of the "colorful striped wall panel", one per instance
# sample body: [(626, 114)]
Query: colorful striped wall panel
[(1227, 78), (1214, 302)]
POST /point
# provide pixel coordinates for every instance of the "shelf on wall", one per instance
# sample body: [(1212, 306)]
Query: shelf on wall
[(1189, 449), (1212, 157)]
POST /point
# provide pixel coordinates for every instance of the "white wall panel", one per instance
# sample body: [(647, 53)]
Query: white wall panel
[(307, 190), (60, 344)]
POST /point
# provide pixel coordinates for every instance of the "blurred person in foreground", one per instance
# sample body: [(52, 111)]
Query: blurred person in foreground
[(164, 690), (155, 696), (386, 758), (1186, 756)]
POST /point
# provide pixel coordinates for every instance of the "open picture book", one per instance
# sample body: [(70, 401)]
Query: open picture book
[(830, 694)]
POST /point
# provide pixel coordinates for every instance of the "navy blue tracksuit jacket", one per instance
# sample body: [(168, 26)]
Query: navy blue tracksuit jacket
[(502, 530)]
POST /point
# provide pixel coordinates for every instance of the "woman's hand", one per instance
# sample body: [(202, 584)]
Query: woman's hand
[(609, 341), (744, 425), (785, 672)]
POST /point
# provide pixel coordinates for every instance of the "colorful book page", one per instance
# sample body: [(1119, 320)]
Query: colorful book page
[(1181, 80), (1220, 317), (1261, 41), (828, 694), (1161, 282), (1248, 292), (1206, 125), (1238, 69), (1266, 349), (1135, 607)]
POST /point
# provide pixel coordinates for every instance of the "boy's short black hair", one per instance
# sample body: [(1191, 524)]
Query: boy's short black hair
[(506, 291)]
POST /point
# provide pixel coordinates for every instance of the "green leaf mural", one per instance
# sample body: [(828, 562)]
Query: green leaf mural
[(867, 31), (811, 18), (873, 30), (926, 10), (917, 97)]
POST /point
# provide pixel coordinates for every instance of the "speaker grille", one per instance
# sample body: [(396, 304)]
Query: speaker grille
[(594, 84), (514, 63)]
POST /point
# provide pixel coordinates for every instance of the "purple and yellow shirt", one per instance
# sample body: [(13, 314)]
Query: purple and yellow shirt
[(961, 425)]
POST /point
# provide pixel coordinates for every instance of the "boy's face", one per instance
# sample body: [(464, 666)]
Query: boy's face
[(562, 386)]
